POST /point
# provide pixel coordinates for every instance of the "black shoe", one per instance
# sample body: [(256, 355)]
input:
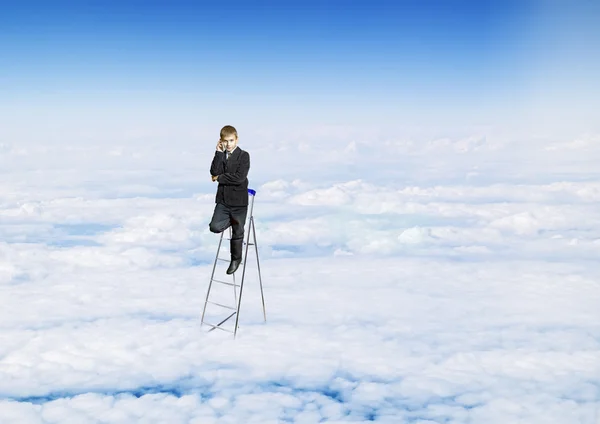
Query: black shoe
[(233, 266)]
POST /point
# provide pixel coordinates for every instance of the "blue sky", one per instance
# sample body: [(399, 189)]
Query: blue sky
[(357, 62)]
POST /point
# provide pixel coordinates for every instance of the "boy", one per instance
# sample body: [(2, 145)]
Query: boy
[(229, 168)]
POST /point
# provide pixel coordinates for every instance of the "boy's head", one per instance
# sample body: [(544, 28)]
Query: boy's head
[(229, 137)]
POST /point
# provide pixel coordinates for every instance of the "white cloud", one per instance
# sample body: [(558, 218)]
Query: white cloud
[(160, 230), (415, 235), (397, 289), (331, 197), (583, 142)]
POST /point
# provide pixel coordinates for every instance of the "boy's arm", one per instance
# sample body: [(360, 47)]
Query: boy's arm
[(237, 177), (216, 167)]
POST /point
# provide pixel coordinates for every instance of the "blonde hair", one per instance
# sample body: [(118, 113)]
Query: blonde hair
[(228, 130)]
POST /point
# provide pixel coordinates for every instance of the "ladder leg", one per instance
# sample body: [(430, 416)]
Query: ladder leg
[(234, 288), (237, 315), (258, 265), (211, 279)]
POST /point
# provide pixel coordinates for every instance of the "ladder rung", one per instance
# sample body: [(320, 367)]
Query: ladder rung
[(228, 260), (225, 282), (223, 306), (217, 327), (249, 244)]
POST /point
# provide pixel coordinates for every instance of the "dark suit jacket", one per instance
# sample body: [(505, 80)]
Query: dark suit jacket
[(233, 177)]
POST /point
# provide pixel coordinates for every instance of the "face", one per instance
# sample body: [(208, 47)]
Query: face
[(229, 142)]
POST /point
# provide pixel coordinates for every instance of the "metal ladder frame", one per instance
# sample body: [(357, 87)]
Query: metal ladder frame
[(238, 300)]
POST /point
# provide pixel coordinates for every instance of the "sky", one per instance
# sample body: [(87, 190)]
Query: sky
[(426, 210), (105, 69)]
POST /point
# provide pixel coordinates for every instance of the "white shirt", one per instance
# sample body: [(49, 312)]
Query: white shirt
[(227, 154)]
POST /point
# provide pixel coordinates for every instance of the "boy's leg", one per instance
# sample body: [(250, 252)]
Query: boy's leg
[(220, 220), (238, 221)]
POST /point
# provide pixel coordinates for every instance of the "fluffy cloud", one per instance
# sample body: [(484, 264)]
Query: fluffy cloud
[(441, 285)]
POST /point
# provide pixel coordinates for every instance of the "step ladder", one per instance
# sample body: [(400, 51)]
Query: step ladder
[(237, 298)]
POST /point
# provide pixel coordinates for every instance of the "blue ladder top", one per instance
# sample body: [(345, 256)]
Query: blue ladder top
[(251, 192)]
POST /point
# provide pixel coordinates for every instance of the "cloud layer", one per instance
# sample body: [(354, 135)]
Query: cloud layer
[(448, 280)]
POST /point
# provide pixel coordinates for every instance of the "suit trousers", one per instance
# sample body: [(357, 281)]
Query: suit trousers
[(234, 216)]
